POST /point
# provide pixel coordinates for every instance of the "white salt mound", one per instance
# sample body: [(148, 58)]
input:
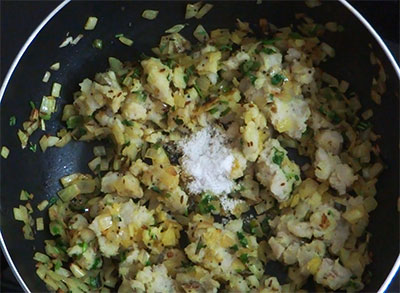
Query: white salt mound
[(208, 161)]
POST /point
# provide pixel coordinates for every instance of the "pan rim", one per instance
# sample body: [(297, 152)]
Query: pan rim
[(34, 34)]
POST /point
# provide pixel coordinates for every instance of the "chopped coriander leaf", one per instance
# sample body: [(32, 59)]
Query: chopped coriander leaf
[(45, 116), (32, 104), (84, 246), (226, 111), (226, 48), (178, 121), (234, 247), (199, 246), (141, 95), (32, 147), (127, 122), (364, 125), (148, 263), (204, 206), (242, 239), (122, 256), (268, 51), (277, 79), (74, 122), (97, 44), (189, 73), (278, 157), (136, 72), (198, 91), (155, 189), (213, 110), (335, 118), (252, 77), (57, 265), (95, 282), (96, 263), (13, 120), (247, 66), (244, 258), (157, 145), (52, 200), (170, 63)]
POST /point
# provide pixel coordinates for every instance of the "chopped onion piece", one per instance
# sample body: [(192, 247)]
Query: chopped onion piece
[(367, 114), (55, 66), (150, 14), (175, 29), (201, 34), (66, 42), (343, 86), (46, 76), (55, 90), (25, 195), (41, 206), (64, 140), (90, 23), (77, 39), (5, 152), (329, 79), (328, 49), (94, 164), (99, 151), (48, 105), (39, 224), (204, 10), (192, 10), (69, 193), (125, 41), (23, 138), (376, 97)]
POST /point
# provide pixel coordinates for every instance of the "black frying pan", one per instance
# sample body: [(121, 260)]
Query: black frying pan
[(39, 173)]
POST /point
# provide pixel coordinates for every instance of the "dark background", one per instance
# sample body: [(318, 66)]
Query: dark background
[(20, 18)]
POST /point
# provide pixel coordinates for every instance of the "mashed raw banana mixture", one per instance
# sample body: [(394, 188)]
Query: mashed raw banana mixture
[(195, 187)]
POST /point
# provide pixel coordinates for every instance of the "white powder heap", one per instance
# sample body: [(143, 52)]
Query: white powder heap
[(209, 163)]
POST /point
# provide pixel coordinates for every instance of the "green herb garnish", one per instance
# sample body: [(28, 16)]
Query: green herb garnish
[(277, 79), (226, 111), (97, 44), (204, 206), (242, 239), (13, 120), (278, 157), (155, 189), (234, 247), (32, 147), (268, 51), (244, 258), (213, 110), (178, 121), (127, 122)]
